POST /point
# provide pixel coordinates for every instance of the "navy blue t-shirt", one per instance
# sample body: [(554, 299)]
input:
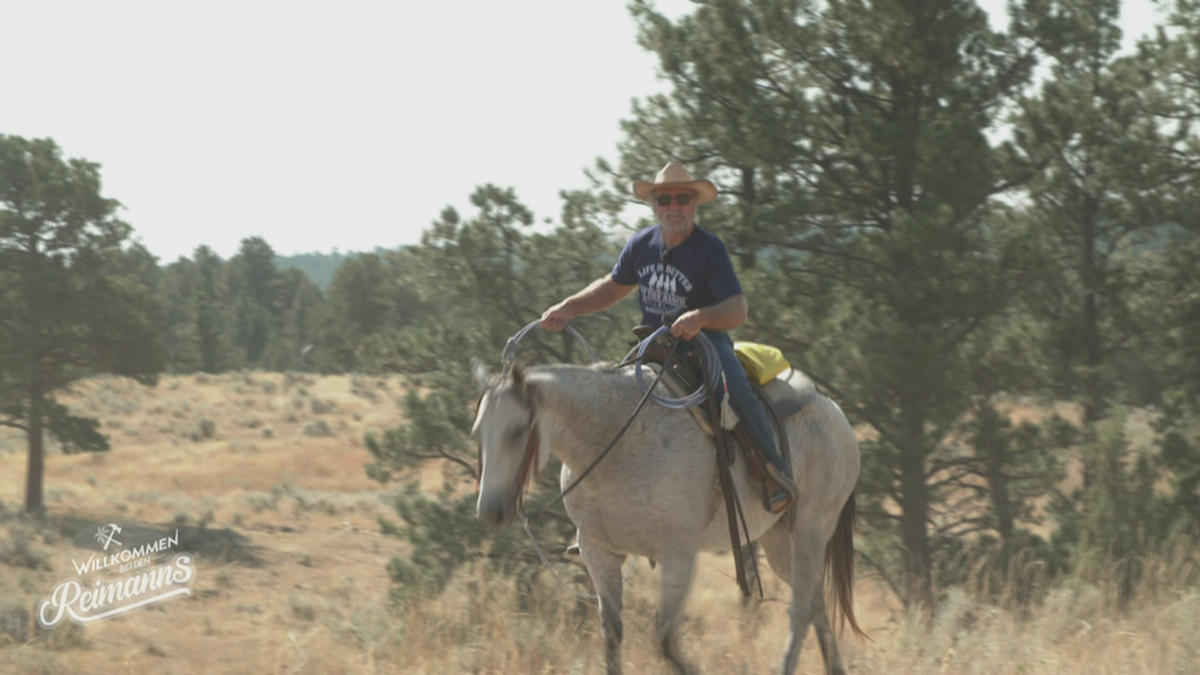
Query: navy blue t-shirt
[(698, 273)]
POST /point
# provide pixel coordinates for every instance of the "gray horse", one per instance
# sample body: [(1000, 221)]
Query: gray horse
[(656, 493)]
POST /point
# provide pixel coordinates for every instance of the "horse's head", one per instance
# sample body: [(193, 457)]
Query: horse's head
[(506, 429)]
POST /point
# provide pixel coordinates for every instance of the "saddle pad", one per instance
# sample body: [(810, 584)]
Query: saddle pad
[(790, 392)]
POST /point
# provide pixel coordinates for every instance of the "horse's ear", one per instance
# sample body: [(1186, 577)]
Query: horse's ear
[(480, 373), (518, 377)]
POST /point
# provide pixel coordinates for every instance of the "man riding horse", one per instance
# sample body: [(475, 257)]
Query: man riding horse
[(684, 272)]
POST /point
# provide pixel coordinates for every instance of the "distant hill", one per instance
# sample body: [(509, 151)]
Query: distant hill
[(320, 267)]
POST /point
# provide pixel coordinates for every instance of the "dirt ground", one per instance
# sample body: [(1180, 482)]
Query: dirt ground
[(263, 476)]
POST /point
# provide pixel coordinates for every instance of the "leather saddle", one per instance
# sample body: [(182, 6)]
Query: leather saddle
[(781, 399)]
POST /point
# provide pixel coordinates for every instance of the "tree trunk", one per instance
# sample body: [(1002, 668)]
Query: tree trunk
[(37, 453), (35, 438), (748, 255), (992, 446), (1001, 503), (1093, 398), (914, 505)]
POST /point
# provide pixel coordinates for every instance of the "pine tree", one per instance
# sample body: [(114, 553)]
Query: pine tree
[(213, 321), (1103, 197), (359, 297), (851, 142), (480, 280), (254, 295), (71, 304), (301, 306)]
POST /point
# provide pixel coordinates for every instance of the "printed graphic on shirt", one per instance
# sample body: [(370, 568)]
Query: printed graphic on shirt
[(664, 289)]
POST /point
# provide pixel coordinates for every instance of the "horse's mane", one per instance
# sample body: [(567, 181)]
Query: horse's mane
[(519, 373), (599, 367)]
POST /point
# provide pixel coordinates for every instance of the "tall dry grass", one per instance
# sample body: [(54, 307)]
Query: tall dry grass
[(1028, 624), (291, 569)]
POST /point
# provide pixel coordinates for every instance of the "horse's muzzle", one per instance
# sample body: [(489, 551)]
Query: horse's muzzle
[(496, 512)]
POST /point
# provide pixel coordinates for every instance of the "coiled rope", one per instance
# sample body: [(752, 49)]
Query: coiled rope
[(696, 397)]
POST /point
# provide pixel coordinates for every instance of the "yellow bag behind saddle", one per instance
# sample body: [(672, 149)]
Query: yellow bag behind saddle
[(762, 362)]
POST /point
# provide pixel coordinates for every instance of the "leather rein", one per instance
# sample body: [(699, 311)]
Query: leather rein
[(524, 475)]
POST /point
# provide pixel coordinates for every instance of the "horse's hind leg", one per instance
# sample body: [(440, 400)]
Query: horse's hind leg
[(825, 638), (605, 570), (677, 572), (796, 556)]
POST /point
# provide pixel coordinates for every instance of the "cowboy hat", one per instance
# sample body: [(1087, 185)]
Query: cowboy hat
[(675, 176)]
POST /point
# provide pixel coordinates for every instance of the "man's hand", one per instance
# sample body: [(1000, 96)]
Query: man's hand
[(688, 325), (556, 318)]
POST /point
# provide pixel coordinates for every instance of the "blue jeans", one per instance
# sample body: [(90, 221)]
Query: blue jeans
[(743, 399)]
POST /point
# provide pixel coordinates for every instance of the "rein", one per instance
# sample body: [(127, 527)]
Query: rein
[(525, 474), (526, 470), (612, 444), (531, 453)]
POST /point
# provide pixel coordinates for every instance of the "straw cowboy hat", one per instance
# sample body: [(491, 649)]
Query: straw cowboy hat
[(675, 176)]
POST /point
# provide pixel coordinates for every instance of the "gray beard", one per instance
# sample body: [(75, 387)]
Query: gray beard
[(679, 227)]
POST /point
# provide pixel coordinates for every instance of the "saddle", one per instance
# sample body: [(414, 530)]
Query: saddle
[(781, 400)]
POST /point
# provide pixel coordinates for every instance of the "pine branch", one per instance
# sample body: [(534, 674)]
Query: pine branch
[(444, 455)]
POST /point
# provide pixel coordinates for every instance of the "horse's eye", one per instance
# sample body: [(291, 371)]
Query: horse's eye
[(516, 434)]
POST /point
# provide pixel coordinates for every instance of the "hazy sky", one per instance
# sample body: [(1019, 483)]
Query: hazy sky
[(322, 125)]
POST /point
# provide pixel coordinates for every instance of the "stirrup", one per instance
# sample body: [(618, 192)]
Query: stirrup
[(776, 501), (776, 483)]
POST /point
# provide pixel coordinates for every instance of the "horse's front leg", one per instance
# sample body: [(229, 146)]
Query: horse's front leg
[(605, 570), (678, 570)]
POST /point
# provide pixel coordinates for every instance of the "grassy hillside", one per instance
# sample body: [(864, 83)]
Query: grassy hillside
[(263, 476)]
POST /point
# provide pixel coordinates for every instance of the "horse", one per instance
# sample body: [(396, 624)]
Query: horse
[(655, 494)]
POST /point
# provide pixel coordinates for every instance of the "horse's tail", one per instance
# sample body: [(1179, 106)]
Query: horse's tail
[(839, 569)]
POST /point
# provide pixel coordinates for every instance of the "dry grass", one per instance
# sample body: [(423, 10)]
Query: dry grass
[(291, 578)]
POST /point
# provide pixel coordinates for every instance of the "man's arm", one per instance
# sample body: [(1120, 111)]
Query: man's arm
[(725, 315), (598, 296)]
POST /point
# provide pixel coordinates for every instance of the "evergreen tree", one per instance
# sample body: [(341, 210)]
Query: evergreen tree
[(213, 321), (178, 295), (1179, 425), (71, 301), (301, 304), (1175, 101), (482, 279), (851, 142), (1103, 197), (359, 299), (254, 295), (1108, 529)]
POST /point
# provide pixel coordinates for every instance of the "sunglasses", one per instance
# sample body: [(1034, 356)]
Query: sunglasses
[(680, 199)]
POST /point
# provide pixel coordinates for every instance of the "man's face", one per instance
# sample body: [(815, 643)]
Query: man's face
[(675, 219)]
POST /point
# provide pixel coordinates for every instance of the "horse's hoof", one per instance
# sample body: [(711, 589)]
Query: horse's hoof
[(573, 549)]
